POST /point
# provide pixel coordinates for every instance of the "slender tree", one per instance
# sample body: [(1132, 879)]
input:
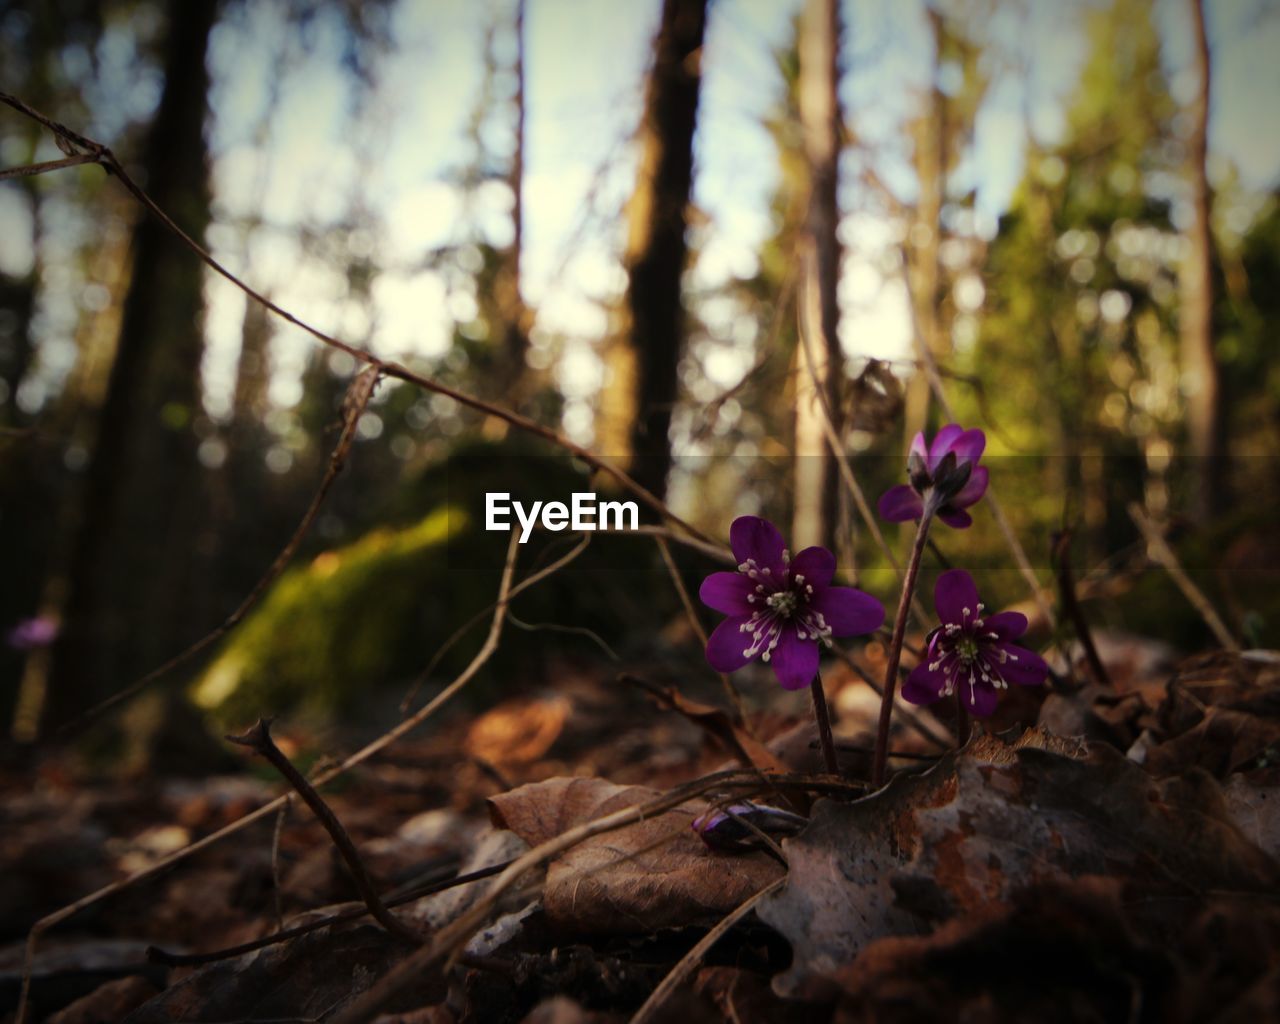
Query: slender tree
[(1200, 372), (820, 119), (646, 364), (514, 313), (129, 591)]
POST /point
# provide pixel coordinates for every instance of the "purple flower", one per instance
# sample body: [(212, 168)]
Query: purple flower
[(971, 650), (780, 608), (946, 472), (727, 829), (29, 634)]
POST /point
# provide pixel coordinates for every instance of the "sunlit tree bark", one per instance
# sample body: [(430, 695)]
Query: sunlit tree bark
[(1200, 372), (515, 315), (815, 480)]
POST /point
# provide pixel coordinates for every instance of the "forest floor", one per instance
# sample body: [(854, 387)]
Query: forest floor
[(1095, 852)]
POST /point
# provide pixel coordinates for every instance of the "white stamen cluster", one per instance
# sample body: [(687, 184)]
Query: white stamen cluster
[(964, 656), (785, 605)]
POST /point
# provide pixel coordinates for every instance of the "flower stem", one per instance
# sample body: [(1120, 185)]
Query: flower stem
[(895, 648), (823, 716)]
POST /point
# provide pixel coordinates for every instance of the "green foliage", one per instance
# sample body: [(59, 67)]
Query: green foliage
[(1247, 323), (1076, 353)]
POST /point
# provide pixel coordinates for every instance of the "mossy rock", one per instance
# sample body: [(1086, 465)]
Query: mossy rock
[(328, 625), (345, 634)]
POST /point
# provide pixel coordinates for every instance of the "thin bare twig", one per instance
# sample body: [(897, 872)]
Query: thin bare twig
[(277, 897), (1071, 606), (902, 710), (1163, 555), (694, 957), (691, 613), (465, 628), (258, 739), (388, 368), (359, 393), (453, 936), (719, 724), (558, 627), (719, 552), (31, 170), (770, 844), (359, 757), (163, 956)]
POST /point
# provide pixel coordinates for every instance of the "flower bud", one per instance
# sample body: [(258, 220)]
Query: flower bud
[(950, 477)]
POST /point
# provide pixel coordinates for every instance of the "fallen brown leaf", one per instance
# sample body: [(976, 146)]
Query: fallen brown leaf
[(981, 826), (653, 874), (310, 977), (518, 731), (1248, 682), (1224, 741), (1254, 805), (111, 1001), (1071, 951)]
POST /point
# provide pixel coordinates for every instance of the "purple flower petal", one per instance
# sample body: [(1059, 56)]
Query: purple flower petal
[(969, 445), (979, 698), (956, 518), (795, 661), (816, 564), (918, 446), (942, 443), (1006, 625), (974, 488), (953, 594), (899, 504), (849, 612), (727, 592), (1028, 670), (29, 634), (726, 644), (754, 538), (923, 686)]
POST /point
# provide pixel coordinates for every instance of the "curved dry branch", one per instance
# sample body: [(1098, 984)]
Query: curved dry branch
[(103, 156), (359, 757)]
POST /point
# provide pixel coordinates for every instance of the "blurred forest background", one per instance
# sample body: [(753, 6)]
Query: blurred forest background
[(612, 218)]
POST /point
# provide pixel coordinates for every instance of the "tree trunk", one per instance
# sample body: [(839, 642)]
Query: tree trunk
[(656, 246), (17, 300), (514, 313), (1201, 379), (815, 475), (130, 595)]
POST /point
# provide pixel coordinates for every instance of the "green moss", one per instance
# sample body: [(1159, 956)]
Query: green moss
[(329, 628), (344, 635)]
